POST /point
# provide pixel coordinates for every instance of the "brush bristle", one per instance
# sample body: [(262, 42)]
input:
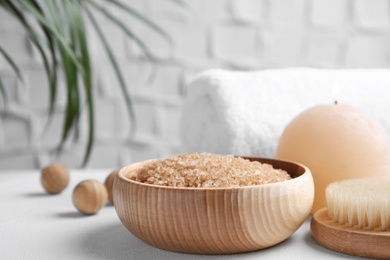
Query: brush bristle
[(362, 203)]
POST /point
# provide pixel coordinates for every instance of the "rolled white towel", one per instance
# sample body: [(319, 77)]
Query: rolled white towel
[(245, 113)]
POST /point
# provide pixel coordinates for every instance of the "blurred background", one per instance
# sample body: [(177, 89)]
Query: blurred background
[(228, 34)]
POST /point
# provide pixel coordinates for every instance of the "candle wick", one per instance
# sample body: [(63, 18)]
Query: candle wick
[(335, 102)]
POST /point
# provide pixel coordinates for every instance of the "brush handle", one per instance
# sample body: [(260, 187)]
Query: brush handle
[(349, 240)]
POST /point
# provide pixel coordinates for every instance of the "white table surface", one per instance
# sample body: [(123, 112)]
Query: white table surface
[(36, 225)]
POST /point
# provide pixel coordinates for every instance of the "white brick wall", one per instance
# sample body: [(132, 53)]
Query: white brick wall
[(231, 34), (372, 16), (236, 44), (287, 14), (331, 13)]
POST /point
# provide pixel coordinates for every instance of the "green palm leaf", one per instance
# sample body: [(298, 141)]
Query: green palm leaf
[(141, 18), (61, 41), (52, 74), (3, 94), (80, 38), (35, 39), (114, 64), (124, 28), (59, 37), (11, 62)]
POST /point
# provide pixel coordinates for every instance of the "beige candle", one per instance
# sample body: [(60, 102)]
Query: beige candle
[(335, 142)]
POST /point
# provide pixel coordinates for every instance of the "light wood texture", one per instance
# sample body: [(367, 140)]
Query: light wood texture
[(349, 240), (89, 196), (215, 220), (109, 183), (55, 178)]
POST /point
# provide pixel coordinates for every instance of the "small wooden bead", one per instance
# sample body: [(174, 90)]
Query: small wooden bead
[(54, 178), (89, 196), (109, 183)]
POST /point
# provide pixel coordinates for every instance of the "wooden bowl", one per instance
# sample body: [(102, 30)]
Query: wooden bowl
[(215, 220)]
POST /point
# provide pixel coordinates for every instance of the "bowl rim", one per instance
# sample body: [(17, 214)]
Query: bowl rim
[(123, 170)]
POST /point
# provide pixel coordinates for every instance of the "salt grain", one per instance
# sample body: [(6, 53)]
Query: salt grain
[(208, 170)]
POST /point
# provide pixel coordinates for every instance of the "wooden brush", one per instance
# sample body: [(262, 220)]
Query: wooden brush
[(357, 218)]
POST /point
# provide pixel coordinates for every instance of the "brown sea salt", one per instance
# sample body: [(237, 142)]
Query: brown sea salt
[(208, 170)]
